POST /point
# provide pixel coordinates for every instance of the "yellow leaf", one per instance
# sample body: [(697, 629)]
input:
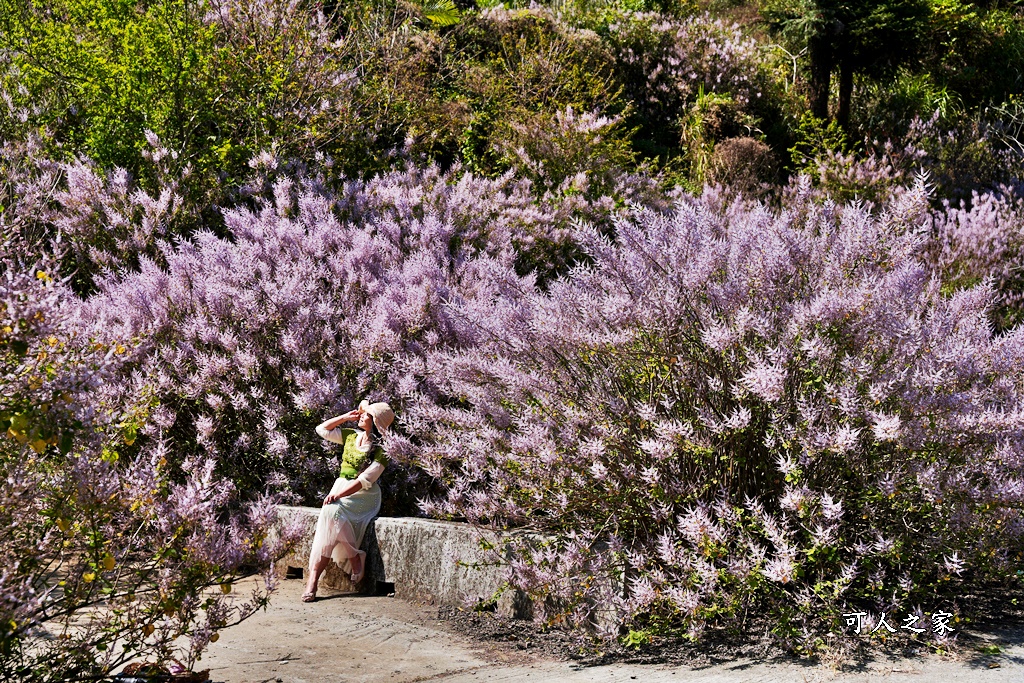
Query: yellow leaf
[(225, 587), (108, 562), (41, 275), (88, 577), (148, 629), (39, 445), (62, 524), (215, 637)]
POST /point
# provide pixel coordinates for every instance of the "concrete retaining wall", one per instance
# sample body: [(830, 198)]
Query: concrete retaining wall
[(426, 560)]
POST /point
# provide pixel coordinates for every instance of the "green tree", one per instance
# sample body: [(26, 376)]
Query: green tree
[(977, 49), (96, 74), (872, 37)]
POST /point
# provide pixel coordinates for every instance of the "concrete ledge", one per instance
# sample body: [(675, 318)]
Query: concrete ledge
[(426, 560), (430, 561), (333, 577)]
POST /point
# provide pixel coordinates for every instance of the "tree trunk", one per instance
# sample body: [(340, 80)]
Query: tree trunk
[(822, 62), (845, 93)]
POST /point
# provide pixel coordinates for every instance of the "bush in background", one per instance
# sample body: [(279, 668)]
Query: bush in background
[(109, 557), (733, 411), (250, 340)]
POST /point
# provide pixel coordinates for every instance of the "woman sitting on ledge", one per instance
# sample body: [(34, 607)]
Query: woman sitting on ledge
[(354, 499)]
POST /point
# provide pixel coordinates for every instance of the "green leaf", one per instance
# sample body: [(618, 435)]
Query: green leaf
[(636, 638), (441, 12)]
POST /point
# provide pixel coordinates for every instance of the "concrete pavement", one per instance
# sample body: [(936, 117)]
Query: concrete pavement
[(344, 638)]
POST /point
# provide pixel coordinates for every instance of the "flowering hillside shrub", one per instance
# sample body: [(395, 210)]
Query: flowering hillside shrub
[(974, 156), (983, 242), (249, 341), (107, 556), (780, 374), (734, 411), (104, 221), (217, 81), (664, 64), (533, 81), (577, 150), (972, 170), (739, 363)]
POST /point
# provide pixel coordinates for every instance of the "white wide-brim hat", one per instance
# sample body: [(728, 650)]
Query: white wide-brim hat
[(381, 413)]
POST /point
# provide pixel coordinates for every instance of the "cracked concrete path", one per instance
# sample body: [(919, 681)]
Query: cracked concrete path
[(360, 639)]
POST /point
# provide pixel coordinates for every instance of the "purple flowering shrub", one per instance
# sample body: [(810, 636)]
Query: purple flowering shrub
[(252, 340), (293, 79), (973, 156), (982, 241), (700, 416), (734, 410), (974, 180), (847, 176), (104, 220), (728, 407), (536, 94), (217, 81), (571, 153), (108, 557), (665, 63)]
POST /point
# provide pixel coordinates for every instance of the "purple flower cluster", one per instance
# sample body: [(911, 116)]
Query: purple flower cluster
[(730, 403), (982, 241), (309, 305), (110, 551), (668, 62)]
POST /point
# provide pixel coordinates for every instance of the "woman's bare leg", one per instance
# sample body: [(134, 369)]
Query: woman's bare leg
[(316, 570), (356, 563)]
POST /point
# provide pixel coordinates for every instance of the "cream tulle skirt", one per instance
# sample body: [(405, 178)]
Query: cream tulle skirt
[(340, 528)]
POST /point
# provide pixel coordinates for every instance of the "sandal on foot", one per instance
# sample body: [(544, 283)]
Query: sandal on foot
[(309, 596), (356, 578)]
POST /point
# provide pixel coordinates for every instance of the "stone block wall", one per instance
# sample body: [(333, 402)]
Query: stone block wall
[(428, 561), (425, 560)]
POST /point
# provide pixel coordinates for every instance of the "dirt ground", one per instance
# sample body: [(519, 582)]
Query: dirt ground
[(344, 638)]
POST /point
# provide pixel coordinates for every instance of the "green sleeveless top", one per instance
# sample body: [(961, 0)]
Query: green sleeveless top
[(353, 460)]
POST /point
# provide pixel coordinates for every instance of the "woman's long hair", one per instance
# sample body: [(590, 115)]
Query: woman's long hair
[(375, 442), (376, 438)]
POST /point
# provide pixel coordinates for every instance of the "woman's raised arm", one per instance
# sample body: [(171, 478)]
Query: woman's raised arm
[(329, 425)]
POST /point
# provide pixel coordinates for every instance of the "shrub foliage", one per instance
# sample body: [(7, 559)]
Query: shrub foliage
[(794, 393)]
